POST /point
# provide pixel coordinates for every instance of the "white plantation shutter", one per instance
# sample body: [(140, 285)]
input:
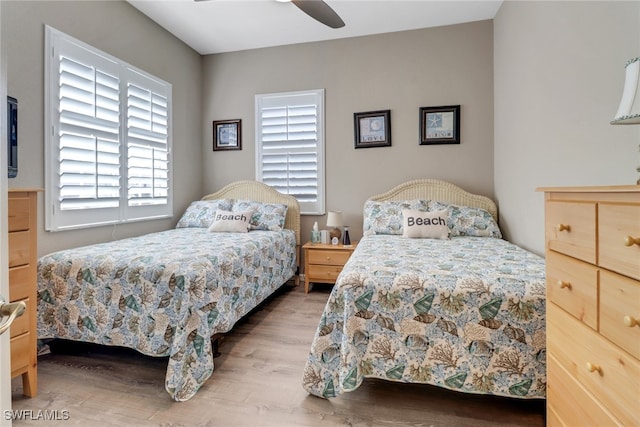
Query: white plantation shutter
[(290, 146), (89, 151), (147, 147), (107, 138)]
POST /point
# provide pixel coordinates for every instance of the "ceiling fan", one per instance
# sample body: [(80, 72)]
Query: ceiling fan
[(320, 11)]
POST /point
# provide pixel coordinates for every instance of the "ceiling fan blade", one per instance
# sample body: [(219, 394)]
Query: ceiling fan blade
[(320, 11)]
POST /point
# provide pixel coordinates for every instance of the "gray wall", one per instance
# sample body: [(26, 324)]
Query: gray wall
[(559, 71), (559, 74), (401, 72), (119, 29)]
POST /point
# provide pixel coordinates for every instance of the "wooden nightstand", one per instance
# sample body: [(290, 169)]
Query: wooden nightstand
[(323, 262)]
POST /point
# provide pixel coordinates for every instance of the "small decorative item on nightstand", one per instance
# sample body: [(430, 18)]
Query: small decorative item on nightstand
[(346, 240)]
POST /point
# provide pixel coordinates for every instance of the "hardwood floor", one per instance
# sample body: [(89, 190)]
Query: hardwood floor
[(257, 382)]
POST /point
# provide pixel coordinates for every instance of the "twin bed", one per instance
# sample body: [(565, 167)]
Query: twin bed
[(463, 309), (169, 293)]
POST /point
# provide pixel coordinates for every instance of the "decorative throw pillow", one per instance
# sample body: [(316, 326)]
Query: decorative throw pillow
[(266, 216), (201, 212), (234, 222), (420, 224), (468, 221), (386, 217)]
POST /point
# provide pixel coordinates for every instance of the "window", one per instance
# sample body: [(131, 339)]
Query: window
[(108, 139), (290, 146)]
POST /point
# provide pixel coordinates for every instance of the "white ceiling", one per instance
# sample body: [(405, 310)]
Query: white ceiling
[(215, 26)]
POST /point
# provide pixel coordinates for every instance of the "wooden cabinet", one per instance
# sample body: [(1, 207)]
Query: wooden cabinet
[(592, 239), (22, 285), (323, 262)]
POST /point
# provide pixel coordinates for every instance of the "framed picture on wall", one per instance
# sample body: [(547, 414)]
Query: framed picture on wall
[(440, 125), (227, 135), (372, 129)]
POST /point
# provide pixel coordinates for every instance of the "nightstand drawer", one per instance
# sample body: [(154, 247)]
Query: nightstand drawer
[(328, 257), (615, 224), (620, 311), (573, 285), (324, 273), (606, 371), (571, 229)]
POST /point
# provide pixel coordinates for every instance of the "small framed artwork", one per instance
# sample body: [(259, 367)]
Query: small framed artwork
[(372, 129), (440, 125), (227, 135)]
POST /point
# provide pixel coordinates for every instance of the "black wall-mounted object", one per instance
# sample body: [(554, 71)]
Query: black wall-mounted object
[(12, 136)]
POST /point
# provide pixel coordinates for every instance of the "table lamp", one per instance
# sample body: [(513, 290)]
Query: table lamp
[(629, 109), (334, 219)]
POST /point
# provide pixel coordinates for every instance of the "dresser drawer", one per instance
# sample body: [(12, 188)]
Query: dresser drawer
[(20, 352), (620, 311), (21, 282), (615, 382), (19, 248), (571, 405), (573, 285), (328, 257), (323, 273), (21, 324), (571, 229), (18, 213), (615, 224)]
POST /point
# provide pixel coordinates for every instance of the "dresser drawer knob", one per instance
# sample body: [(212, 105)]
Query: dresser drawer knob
[(630, 321), (592, 367), (630, 241), (564, 284), (563, 227)]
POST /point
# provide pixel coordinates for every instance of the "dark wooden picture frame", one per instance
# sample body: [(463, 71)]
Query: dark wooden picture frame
[(372, 129), (227, 135), (440, 125)]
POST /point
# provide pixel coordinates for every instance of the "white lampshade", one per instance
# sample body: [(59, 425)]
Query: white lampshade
[(629, 110), (334, 219)]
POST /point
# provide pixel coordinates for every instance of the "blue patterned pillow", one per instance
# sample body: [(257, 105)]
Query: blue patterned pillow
[(202, 212), (468, 221), (386, 217), (266, 216)]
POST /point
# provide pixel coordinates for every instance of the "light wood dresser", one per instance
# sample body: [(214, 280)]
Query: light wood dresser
[(593, 305), (23, 259)]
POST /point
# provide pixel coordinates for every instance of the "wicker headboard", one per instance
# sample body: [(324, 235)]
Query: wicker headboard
[(259, 192), (442, 191)]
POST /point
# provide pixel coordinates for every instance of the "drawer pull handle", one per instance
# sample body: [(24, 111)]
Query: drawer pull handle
[(630, 241), (630, 321), (592, 367), (563, 227), (564, 284)]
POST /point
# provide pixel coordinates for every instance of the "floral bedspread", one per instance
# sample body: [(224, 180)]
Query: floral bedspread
[(163, 294), (467, 314)]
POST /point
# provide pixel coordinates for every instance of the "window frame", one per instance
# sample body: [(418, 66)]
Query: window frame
[(286, 99), (57, 219)]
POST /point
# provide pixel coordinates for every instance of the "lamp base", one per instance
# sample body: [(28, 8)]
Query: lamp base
[(335, 232)]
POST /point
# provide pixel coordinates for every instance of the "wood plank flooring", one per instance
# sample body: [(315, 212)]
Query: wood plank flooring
[(257, 382)]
